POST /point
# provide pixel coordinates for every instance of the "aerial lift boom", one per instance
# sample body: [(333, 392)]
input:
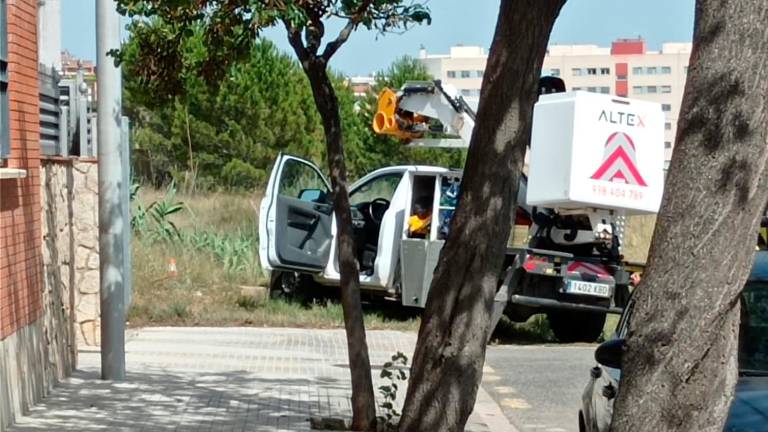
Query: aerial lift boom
[(425, 114)]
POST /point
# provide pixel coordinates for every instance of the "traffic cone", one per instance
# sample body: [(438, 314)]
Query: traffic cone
[(172, 272)]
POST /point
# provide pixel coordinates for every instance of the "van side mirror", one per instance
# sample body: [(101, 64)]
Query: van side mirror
[(609, 353), (311, 195)]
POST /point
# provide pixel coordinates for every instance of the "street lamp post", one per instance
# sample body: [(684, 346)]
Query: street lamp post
[(112, 221)]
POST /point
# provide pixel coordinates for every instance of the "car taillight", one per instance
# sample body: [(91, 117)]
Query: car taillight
[(522, 217)]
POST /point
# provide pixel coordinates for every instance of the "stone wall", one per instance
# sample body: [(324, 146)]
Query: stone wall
[(42, 351), (71, 242)]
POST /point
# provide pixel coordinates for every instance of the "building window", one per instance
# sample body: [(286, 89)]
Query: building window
[(591, 71), (666, 107), (651, 70), (576, 88), (479, 73), (554, 72), (603, 90), (466, 74), (667, 144), (576, 72), (666, 70), (451, 74), (651, 89), (605, 71), (637, 71), (5, 138), (638, 89), (666, 89), (667, 126)]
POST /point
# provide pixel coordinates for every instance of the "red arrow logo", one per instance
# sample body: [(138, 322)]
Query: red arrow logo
[(619, 161)]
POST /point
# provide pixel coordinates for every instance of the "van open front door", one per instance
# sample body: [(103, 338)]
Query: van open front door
[(295, 219)]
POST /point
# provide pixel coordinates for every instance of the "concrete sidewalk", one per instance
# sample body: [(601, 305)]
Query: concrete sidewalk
[(224, 379)]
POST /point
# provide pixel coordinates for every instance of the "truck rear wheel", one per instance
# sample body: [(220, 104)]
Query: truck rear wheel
[(572, 326)]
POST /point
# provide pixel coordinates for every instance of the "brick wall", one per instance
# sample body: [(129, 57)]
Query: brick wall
[(21, 262)]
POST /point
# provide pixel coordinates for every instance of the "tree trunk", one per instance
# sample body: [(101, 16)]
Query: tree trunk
[(680, 367), (191, 175), (450, 352), (363, 400)]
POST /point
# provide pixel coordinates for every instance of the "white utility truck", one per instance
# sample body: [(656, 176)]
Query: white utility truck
[(593, 159)]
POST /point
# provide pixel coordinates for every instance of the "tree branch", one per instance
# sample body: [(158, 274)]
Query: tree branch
[(294, 38), (313, 34), (354, 20)]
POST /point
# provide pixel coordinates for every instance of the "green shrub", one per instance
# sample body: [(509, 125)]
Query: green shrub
[(242, 175)]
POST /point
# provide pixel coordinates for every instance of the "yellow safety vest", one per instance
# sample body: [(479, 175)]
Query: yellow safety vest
[(417, 225)]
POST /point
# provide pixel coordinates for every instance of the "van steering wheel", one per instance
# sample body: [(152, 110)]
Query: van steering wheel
[(384, 203)]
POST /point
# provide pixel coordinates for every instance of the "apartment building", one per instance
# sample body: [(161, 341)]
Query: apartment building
[(462, 67), (626, 68), (71, 65), (361, 85)]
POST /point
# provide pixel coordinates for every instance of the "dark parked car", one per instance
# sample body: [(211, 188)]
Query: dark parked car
[(749, 410)]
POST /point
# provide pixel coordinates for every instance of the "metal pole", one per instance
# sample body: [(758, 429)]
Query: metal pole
[(112, 222), (125, 134)]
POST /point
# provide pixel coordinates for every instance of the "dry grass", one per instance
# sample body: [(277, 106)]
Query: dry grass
[(637, 237), (215, 211)]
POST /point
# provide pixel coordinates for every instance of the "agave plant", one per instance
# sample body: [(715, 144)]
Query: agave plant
[(235, 251), (154, 221)]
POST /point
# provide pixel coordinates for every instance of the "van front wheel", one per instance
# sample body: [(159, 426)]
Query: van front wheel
[(285, 285)]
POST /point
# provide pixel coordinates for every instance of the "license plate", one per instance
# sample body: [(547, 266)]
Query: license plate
[(588, 288)]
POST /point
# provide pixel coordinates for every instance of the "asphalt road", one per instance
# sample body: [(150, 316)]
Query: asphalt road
[(539, 386)]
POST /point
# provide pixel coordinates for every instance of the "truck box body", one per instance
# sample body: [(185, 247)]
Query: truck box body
[(592, 150)]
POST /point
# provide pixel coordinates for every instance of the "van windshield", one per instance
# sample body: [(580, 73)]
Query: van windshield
[(753, 345)]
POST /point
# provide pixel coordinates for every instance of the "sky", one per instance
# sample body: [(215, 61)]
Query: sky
[(467, 22)]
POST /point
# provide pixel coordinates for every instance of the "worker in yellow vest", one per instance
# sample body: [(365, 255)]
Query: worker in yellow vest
[(420, 221)]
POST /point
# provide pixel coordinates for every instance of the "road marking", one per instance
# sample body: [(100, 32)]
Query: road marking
[(515, 403), (491, 378), (504, 390)]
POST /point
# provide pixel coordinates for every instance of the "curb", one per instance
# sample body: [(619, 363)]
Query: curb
[(491, 413)]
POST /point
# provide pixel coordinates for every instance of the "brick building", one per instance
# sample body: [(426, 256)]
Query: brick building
[(21, 275), (36, 346)]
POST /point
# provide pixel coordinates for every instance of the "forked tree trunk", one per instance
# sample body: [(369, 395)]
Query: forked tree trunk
[(680, 367), (363, 400), (450, 352)]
